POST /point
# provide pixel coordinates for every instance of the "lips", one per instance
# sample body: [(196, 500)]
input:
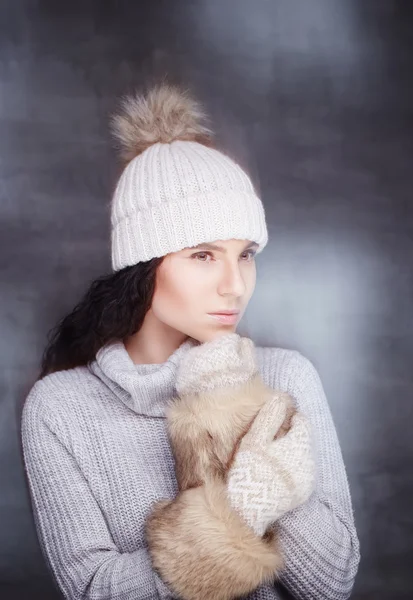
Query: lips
[(226, 318), (226, 312)]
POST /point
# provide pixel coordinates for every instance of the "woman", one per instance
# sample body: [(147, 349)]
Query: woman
[(186, 226)]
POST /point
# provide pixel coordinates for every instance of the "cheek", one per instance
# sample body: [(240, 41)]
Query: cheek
[(176, 298), (250, 278), (253, 281)]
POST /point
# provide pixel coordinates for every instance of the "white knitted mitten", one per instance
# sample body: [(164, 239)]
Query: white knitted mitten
[(268, 477), (220, 393), (228, 360)]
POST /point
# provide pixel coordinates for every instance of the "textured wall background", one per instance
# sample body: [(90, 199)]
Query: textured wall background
[(316, 98)]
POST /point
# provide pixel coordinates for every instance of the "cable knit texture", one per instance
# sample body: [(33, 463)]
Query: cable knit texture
[(97, 457), (271, 477)]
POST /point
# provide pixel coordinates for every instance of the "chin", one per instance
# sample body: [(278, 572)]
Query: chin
[(213, 333)]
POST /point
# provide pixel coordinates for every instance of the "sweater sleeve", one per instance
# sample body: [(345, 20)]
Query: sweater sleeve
[(72, 531), (319, 538)]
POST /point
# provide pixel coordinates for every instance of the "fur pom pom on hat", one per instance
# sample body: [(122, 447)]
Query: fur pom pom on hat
[(165, 115), (176, 190)]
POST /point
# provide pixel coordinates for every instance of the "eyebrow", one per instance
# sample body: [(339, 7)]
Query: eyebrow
[(222, 249)]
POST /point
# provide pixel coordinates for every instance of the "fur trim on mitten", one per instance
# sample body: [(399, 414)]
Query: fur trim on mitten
[(203, 550), (220, 392), (206, 429)]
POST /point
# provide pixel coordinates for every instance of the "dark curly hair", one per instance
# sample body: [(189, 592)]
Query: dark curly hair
[(113, 308)]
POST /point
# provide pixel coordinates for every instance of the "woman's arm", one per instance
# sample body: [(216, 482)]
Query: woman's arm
[(319, 538), (71, 527), (204, 550)]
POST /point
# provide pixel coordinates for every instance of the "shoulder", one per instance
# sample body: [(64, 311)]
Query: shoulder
[(284, 367), (54, 394), (294, 373)]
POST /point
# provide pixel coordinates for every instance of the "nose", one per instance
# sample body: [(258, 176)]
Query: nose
[(232, 282)]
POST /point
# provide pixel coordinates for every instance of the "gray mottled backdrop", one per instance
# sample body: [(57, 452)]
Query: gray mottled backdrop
[(315, 97)]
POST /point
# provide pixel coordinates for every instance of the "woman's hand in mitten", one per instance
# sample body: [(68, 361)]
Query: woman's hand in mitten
[(220, 392), (228, 360), (269, 477)]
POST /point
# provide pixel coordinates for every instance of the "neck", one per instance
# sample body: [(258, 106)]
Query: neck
[(154, 342)]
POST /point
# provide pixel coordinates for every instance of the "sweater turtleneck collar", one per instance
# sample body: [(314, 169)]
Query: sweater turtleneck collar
[(144, 388)]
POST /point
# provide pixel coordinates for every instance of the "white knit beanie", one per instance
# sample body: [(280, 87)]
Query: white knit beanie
[(176, 190)]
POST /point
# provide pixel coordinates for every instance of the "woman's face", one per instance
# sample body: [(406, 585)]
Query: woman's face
[(209, 278)]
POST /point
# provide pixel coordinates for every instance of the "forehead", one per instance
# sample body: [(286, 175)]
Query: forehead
[(224, 245)]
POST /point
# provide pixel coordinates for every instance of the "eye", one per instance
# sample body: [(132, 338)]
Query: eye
[(200, 256), (203, 256), (250, 254)]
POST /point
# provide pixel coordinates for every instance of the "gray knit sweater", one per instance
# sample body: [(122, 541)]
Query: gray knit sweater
[(97, 457)]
